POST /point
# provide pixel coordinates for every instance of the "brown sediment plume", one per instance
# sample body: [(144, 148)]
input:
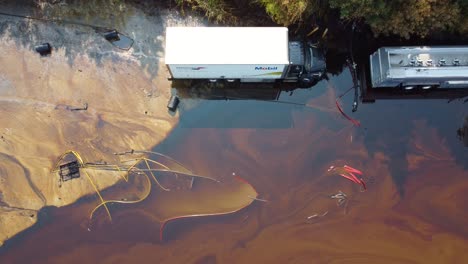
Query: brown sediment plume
[(437, 187), (35, 129), (207, 199), (421, 150), (380, 226)]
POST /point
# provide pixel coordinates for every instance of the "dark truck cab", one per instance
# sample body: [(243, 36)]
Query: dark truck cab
[(307, 64)]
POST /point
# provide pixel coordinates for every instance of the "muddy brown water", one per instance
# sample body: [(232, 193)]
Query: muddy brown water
[(414, 210)]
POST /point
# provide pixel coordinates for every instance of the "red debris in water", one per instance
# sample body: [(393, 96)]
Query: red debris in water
[(349, 173), (354, 121)]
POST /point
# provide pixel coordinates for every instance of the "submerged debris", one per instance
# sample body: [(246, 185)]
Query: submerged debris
[(125, 152), (85, 107), (312, 216), (68, 167), (317, 216), (112, 35), (72, 108), (341, 198), (70, 170), (117, 39)]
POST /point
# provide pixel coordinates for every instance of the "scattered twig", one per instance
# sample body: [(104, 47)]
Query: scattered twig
[(312, 216), (125, 152), (258, 199), (317, 216), (85, 107), (313, 31)]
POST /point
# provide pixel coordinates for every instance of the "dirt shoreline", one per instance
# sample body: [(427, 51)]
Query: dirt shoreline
[(126, 93)]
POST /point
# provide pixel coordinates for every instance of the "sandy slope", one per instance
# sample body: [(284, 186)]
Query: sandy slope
[(126, 110)]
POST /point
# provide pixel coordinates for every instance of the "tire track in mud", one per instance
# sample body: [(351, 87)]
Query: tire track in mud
[(27, 174)]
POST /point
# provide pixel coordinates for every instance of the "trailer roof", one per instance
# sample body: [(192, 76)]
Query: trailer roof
[(426, 61), (227, 45), (426, 56)]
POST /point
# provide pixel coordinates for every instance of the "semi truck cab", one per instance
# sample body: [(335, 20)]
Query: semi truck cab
[(306, 64)]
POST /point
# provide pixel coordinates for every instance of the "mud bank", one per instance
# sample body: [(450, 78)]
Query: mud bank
[(125, 91)]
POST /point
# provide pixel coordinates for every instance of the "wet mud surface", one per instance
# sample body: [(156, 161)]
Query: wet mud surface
[(87, 96)]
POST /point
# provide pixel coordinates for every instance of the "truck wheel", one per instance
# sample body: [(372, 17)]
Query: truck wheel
[(306, 82), (232, 83), (409, 87), (427, 87)]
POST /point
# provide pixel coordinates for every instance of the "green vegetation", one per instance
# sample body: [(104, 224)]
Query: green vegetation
[(286, 12), (403, 18), (216, 10)]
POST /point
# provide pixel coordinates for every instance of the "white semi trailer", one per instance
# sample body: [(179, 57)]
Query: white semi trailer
[(245, 54), (420, 67)]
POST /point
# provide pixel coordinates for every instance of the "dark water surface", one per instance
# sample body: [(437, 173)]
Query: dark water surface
[(414, 210)]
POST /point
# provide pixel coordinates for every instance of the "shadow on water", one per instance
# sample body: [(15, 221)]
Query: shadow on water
[(392, 131), (386, 130), (462, 132), (442, 108), (236, 105)]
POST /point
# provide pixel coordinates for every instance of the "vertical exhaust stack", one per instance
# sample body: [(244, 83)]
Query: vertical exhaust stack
[(173, 103)]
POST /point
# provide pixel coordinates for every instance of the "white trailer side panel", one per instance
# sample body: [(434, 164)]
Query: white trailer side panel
[(226, 45), (229, 71)]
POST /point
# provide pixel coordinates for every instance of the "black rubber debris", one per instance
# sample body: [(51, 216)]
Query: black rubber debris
[(173, 103), (44, 49)]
